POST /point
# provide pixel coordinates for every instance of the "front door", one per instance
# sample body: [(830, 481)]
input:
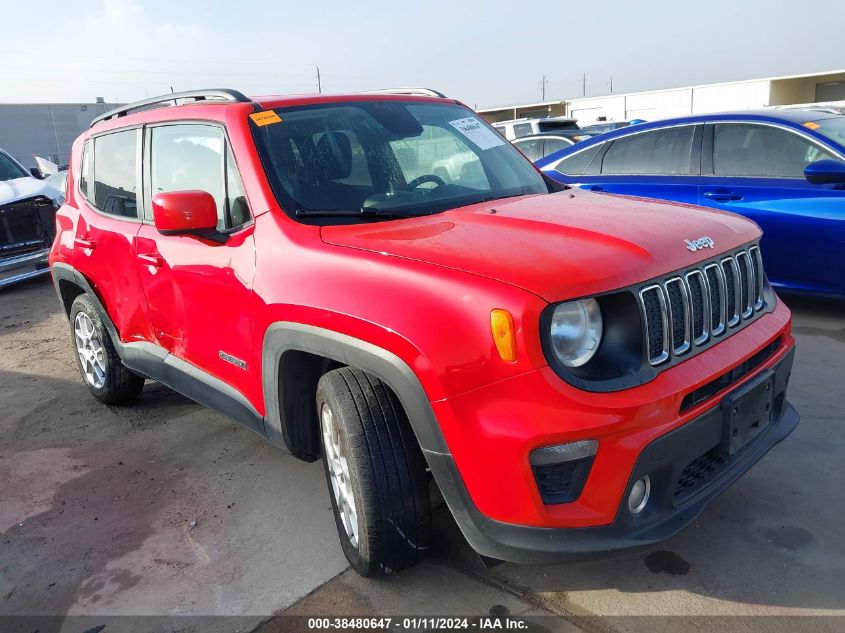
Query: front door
[(198, 290), (757, 170)]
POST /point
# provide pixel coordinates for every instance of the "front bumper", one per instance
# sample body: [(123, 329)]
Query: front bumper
[(26, 266), (671, 460)]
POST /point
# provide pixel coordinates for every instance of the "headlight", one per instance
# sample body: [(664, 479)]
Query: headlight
[(576, 330)]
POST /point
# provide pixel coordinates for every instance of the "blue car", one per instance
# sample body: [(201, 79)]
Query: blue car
[(784, 169)]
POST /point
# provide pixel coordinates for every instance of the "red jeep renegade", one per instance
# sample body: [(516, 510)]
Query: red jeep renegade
[(382, 280)]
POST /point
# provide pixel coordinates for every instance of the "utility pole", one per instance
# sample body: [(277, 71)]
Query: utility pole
[(319, 85), (611, 84), (584, 85), (543, 83)]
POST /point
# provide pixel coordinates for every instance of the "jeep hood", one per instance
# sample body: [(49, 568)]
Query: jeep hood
[(558, 246), (22, 188)]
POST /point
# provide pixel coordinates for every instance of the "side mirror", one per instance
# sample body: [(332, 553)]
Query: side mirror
[(36, 173), (825, 172), (185, 213)]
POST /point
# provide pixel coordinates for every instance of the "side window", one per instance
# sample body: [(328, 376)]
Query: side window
[(577, 163), (663, 152), (115, 173), (553, 145), (237, 207), (532, 148), (190, 156), (522, 129), (85, 172), (748, 149), (439, 152)]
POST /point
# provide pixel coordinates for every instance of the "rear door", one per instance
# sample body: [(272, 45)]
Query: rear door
[(658, 163), (109, 220), (757, 170), (199, 291)]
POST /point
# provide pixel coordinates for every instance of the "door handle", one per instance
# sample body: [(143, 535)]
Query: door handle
[(593, 188), (151, 260), (722, 196), (83, 243)]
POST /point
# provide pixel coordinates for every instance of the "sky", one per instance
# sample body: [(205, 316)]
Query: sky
[(483, 53)]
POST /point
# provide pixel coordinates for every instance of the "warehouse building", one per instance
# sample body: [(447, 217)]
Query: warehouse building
[(45, 129), (650, 105)]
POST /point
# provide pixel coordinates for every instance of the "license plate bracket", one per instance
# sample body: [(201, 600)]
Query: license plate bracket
[(747, 411)]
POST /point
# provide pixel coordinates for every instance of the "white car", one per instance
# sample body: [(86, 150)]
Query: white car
[(27, 222), (517, 128)]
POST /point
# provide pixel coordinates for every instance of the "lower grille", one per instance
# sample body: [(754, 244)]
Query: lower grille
[(696, 474), (26, 226)]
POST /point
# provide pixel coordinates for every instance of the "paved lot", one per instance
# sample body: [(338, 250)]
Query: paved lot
[(167, 508)]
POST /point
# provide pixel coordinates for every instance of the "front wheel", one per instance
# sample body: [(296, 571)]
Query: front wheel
[(375, 472), (104, 374)]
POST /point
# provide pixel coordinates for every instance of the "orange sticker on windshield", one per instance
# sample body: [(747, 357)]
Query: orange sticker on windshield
[(265, 118), (812, 126)]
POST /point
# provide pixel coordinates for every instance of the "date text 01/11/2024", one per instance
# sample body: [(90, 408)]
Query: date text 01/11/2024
[(418, 623)]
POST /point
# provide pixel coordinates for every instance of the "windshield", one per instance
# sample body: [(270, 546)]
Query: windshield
[(388, 157), (9, 169), (833, 128)]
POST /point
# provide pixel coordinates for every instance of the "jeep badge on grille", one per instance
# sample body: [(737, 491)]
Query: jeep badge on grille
[(700, 243)]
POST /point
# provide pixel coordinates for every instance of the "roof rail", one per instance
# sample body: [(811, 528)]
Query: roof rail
[(214, 94), (418, 92)]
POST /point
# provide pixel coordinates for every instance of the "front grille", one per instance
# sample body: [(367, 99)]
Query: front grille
[(689, 310), (25, 226)]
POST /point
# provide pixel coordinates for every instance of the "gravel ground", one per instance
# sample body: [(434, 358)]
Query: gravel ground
[(165, 508)]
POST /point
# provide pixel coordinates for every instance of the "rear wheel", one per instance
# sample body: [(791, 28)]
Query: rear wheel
[(375, 472), (104, 374)]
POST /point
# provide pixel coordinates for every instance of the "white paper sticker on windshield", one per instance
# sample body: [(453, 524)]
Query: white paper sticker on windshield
[(477, 132)]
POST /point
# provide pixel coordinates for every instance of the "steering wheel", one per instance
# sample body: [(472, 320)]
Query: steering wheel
[(421, 180)]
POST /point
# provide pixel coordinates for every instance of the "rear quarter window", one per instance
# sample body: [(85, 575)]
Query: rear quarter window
[(577, 163)]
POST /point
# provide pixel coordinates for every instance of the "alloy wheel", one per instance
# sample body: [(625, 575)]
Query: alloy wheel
[(338, 468), (92, 356)]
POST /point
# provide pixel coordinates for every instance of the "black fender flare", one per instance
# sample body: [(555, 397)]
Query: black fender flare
[(285, 336)]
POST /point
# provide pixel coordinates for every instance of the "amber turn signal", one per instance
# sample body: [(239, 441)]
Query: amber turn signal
[(501, 325)]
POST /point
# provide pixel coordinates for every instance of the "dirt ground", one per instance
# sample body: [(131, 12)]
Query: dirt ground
[(166, 508)]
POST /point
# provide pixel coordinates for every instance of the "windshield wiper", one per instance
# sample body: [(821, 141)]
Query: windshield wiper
[(368, 212)]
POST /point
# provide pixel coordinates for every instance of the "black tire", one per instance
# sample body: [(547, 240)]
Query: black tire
[(387, 472), (119, 384)]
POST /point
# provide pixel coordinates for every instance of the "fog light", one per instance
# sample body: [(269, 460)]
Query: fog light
[(640, 492)]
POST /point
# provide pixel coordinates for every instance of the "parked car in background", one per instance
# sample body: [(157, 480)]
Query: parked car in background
[(58, 181), (536, 146), (27, 221), (783, 169), (605, 126), (517, 128)]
